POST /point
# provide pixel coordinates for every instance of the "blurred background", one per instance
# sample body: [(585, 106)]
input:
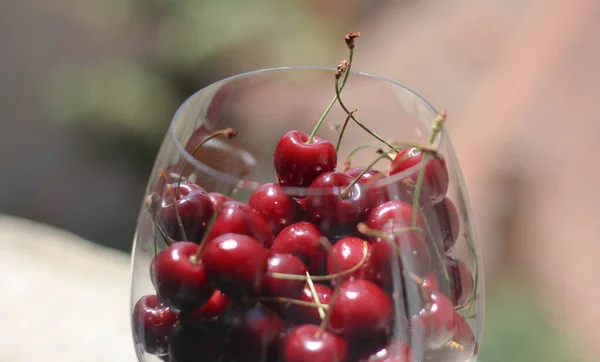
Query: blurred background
[(88, 87)]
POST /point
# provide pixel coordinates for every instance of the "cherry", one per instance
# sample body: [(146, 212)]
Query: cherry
[(179, 279), (400, 213), (362, 310), (194, 342), (434, 324), (303, 240), (375, 195), (445, 216), (331, 210), (461, 281), (152, 324), (215, 307), (394, 351), (280, 287), (194, 209), (435, 179), (275, 206), (298, 163), (309, 315), (307, 343), (460, 348), (430, 282), (348, 252), (218, 199), (235, 217), (235, 263)]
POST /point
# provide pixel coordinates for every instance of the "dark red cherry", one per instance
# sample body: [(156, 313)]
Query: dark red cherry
[(215, 307), (397, 212), (346, 254), (179, 279), (235, 263), (194, 342), (435, 180), (459, 349), (445, 223), (235, 217), (194, 209), (298, 163), (393, 351), (375, 194), (305, 314), (461, 281), (331, 209), (306, 344), (434, 324), (152, 325), (303, 240), (275, 206), (255, 335), (363, 310), (218, 199), (279, 287)]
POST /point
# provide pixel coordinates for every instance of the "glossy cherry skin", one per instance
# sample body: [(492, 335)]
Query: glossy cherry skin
[(279, 287), (194, 209), (181, 281), (461, 347), (305, 344), (435, 179), (362, 310), (214, 308), (193, 342), (347, 253), (446, 223), (152, 324), (274, 205), (218, 199), (236, 264), (461, 281), (374, 195), (309, 315), (397, 212), (235, 217), (298, 163), (255, 335), (434, 324), (303, 240), (332, 210), (430, 282), (393, 351)]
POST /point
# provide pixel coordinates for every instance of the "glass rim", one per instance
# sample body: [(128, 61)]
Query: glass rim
[(251, 185)]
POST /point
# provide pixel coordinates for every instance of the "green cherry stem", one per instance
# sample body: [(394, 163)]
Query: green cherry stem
[(289, 300), (315, 295), (339, 142), (346, 189), (348, 160), (174, 202)]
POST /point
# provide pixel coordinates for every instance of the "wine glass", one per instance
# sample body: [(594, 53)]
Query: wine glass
[(281, 223)]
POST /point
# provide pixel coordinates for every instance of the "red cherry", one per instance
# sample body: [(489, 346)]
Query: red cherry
[(444, 217), (235, 263), (215, 307), (279, 287), (235, 217), (461, 348), (430, 282), (192, 342), (362, 310), (152, 324), (461, 281), (375, 195), (194, 209), (434, 324), (218, 199), (275, 206), (398, 211), (310, 315), (332, 210), (348, 252), (298, 163), (393, 351), (255, 335), (304, 343), (179, 280), (303, 240), (172, 172), (435, 180)]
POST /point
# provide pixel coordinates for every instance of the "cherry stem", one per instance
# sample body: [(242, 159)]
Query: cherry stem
[(213, 219), (355, 119), (315, 295), (328, 109), (346, 189), (289, 300), (364, 229), (227, 132), (339, 142), (348, 161), (174, 202)]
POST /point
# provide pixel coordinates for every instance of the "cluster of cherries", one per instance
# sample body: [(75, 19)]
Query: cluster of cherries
[(317, 277)]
